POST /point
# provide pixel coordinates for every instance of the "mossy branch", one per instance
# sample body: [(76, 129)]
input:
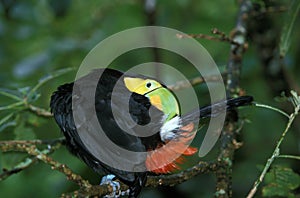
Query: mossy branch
[(86, 189)]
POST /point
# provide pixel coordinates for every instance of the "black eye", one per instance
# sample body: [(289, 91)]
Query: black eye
[(148, 85)]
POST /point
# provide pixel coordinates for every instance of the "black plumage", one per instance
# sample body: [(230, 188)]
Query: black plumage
[(111, 115), (61, 106)]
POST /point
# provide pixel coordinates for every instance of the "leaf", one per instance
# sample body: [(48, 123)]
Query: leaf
[(285, 39), (282, 98), (55, 74), (4, 121), (295, 98), (11, 106), (280, 182), (9, 160), (6, 118), (34, 120), (33, 97), (22, 132), (272, 190), (11, 94), (7, 124), (46, 78), (24, 90)]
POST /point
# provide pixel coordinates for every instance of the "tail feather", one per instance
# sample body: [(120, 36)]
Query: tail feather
[(217, 108)]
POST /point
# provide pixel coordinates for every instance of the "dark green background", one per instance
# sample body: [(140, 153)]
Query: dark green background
[(39, 37)]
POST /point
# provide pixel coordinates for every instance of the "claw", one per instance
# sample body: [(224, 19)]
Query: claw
[(109, 179)]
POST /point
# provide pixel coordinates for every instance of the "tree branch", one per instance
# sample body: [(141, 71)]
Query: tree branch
[(31, 148), (86, 189), (171, 180), (222, 37), (39, 111), (228, 136), (194, 81), (152, 180)]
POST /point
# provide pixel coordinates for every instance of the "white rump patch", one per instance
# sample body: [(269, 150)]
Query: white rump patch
[(167, 130)]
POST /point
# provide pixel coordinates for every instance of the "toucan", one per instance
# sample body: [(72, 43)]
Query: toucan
[(125, 102)]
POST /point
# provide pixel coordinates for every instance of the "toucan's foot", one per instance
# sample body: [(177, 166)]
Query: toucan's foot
[(109, 179)]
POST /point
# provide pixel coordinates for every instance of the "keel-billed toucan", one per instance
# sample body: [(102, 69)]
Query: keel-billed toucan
[(150, 104)]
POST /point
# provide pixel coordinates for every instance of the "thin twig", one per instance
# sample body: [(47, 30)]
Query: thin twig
[(40, 111), (48, 78), (269, 10), (11, 106), (222, 38), (18, 168), (31, 149), (194, 81), (274, 154), (13, 144), (9, 94), (289, 156), (272, 108), (28, 161)]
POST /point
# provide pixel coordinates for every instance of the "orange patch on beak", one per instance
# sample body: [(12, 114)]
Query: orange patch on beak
[(156, 101)]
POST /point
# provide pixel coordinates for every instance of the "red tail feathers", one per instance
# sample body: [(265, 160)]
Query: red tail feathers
[(167, 157)]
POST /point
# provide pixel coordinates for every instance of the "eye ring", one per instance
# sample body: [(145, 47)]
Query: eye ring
[(148, 85)]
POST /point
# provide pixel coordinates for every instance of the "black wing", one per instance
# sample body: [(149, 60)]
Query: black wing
[(140, 114)]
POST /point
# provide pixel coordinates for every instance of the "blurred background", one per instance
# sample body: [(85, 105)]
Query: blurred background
[(38, 38)]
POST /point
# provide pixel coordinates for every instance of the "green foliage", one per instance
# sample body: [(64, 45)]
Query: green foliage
[(294, 99), (281, 181), (38, 37), (285, 39), (7, 122), (22, 131), (24, 98)]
